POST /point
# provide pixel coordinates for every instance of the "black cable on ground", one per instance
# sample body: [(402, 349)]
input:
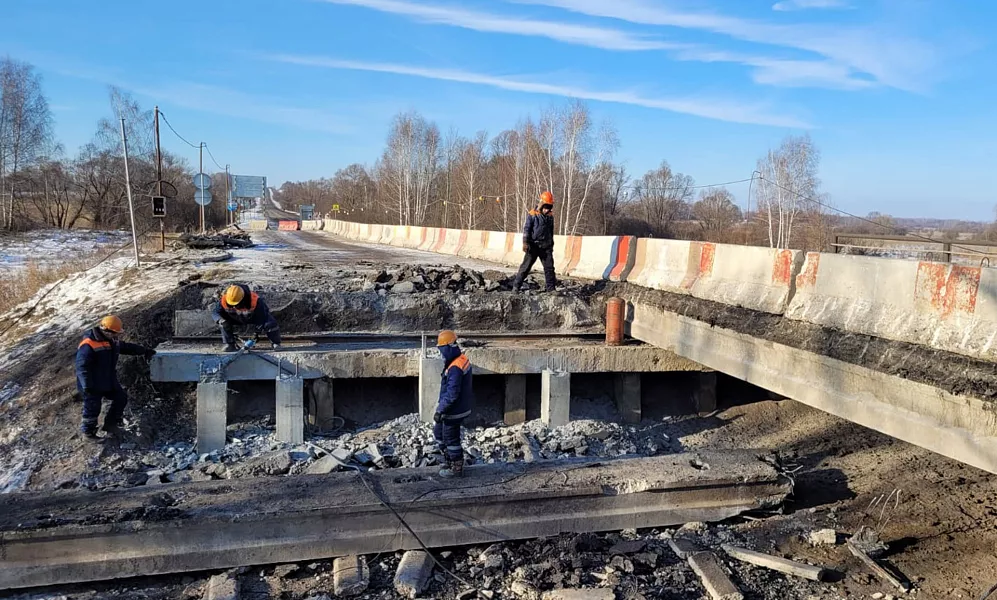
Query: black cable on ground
[(405, 524), (989, 592)]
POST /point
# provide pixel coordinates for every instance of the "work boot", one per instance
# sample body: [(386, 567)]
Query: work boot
[(230, 347), (90, 435), (453, 470), (113, 428)]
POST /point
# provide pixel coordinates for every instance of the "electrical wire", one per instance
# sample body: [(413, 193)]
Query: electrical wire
[(220, 168), (846, 213), (182, 138)]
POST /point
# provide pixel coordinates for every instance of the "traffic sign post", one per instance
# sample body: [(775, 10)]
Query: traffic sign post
[(202, 197)]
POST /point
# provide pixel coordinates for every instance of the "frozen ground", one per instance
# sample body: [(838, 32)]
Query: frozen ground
[(53, 245)]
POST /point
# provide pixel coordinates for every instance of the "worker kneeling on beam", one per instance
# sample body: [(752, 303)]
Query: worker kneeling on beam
[(97, 374), (240, 306), (456, 399), (538, 242)]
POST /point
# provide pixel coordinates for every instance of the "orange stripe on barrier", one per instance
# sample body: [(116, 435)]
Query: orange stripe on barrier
[(946, 289), (626, 252), (573, 252), (782, 267), (808, 277)]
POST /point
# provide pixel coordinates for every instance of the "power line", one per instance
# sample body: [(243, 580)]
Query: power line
[(182, 138), (846, 213), (221, 168)]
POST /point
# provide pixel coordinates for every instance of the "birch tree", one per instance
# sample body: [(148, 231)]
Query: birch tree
[(25, 128), (788, 185)]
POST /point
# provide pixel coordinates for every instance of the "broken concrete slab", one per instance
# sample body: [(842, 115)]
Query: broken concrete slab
[(109, 535), (413, 573), (222, 587), (714, 577), (350, 576), (684, 547), (340, 457)]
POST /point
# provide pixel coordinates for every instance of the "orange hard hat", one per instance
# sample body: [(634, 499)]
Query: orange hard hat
[(111, 323), (446, 337), (547, 198), (234, 295)]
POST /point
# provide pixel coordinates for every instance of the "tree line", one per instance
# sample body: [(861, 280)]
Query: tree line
[(426, 177), (41, 185)]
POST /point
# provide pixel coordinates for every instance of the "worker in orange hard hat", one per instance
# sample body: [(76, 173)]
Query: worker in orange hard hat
[(456, 399), (239, 305), (538, 242), (97, 376)]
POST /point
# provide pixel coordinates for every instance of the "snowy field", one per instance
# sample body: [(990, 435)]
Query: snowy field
[(52, 246)]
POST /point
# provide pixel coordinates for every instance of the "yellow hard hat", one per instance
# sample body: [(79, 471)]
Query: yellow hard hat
[(111, 323), (446, 337), (234, 295)]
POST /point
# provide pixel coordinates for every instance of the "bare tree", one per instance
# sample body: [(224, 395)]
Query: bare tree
[(717, 214), (661, 196), (25, 128), (470, 162), (788, 184)]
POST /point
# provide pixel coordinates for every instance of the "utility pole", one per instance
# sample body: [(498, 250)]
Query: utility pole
[(159, 183), (228, 196), (128, 188), (200, 170)]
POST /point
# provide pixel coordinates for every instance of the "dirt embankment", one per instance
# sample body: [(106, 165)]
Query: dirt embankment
[(951, 372)]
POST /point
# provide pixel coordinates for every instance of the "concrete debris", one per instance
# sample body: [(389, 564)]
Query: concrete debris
[(340, 457), (714, 577), (222, 587), (201, 242), (580, 594), (776, 563), (823, 537), (405, 287), (350, 576), (524, 590), (867, 540), (413, 573)]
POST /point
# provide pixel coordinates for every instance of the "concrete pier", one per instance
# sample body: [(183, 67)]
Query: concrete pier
[(515, 399), (430, 374), (212, 415), (555, 398), (628, 390), (291, 410)]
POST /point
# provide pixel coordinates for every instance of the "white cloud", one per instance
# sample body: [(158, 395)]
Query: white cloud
[(707, 108), (597, 37), (787, 5), (786, 73), (888, 58)]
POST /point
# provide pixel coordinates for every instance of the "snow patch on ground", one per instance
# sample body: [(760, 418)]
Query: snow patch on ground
[(51, 246)]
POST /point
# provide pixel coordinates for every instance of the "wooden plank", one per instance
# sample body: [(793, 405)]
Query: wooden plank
[(877, 568), (713, 576)]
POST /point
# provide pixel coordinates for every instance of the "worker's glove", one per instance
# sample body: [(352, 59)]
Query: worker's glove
[(220, 322), (526, 247), (149, 353), (438, 417)]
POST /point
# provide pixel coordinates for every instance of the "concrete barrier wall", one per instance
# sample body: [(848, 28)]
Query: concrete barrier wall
[(945, 306), (259, 225), (596, 256), (287, 225), (311, 225)]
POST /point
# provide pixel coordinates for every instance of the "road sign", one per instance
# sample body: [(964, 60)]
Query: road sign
[(202, 181), (232, 206), (159, 206), (202, 197), (248, 186), (335, 208)]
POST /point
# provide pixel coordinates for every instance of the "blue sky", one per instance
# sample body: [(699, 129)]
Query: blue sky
[(898, 94)]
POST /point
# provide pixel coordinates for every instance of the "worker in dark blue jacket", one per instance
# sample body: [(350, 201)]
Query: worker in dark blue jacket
[(97, 375), (538, 242), (456, 400), (240, 306)]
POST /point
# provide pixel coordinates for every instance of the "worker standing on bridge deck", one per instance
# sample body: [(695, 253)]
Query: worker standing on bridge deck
[(456, 398), (97, 375), (538, 242), (240, 306)]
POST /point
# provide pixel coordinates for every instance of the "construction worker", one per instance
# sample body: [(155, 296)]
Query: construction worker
[(240, 306), (538, 242), (97, 376), (456, 398)]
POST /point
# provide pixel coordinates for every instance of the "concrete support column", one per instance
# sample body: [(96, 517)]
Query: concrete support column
[(322, 407), (628, 396), (515, 399), (430, 372), (555, 398), (291, 410), (705, 395), (212, 417)]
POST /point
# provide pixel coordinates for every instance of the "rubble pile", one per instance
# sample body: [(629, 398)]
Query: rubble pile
[(414, 279), (195, 241), (405, 442)]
